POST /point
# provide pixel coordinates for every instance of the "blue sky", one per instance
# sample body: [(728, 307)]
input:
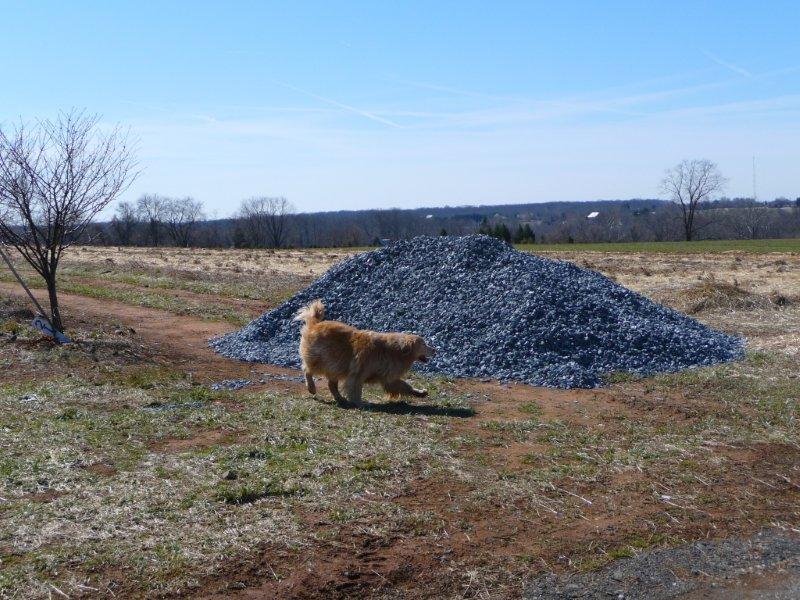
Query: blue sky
[(379, 104)]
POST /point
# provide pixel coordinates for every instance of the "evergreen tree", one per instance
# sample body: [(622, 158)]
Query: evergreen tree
[(524, 235), (502, 232), (529, 235)]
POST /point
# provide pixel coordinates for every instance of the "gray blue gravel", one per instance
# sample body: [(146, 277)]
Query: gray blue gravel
[(704, 569), (493, 312), (231, 384)]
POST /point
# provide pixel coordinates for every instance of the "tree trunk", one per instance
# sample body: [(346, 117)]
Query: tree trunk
[(55, 313), (688, 227)]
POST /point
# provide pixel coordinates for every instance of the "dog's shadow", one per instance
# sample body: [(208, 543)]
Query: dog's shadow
[(404, 408)]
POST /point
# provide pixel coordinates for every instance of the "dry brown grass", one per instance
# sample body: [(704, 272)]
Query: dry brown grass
[(711, 294), (755, 295), (222, 262)]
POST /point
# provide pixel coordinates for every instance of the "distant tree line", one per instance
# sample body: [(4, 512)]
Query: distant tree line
[(695, 210), (271, 222)]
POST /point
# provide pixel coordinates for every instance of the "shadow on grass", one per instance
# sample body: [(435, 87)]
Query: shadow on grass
[(404, 408)]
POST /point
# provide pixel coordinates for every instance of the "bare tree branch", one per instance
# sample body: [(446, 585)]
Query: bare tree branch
[(182, 215), (690, 183), (55, 178), (152, 209), (266, 220)]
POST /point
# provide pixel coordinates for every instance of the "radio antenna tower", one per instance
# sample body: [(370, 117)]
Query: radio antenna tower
[(755, 195)]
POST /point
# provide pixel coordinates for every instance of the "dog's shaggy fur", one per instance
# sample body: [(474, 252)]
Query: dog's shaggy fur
[(343, 353)]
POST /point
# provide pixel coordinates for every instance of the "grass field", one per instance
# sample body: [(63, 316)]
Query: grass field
[(698, 247), (122, 474)]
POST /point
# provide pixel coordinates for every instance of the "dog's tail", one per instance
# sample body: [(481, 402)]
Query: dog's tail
[(311, 314)]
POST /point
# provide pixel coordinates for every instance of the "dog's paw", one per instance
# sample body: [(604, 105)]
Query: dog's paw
[(421, 393)]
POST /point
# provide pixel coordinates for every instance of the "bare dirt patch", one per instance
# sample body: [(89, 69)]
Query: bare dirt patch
[(180, 342), (198, 440), (102, 469)]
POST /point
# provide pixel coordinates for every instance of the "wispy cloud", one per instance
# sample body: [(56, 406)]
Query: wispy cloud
[(341, 105), (504, 111), (728, 65), (500, 110), (459, 92), (782, 105)]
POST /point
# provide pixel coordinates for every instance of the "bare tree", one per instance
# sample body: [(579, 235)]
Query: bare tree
[(266, 220), (124, 223), (751, 221), (690, 183), (182, 215), (277, 224), (152, 209), (55, 177), (255, 215)]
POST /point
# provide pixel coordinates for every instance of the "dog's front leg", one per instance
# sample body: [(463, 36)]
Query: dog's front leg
[(398, 387), (353, 390), (312, 387), (333, 386)]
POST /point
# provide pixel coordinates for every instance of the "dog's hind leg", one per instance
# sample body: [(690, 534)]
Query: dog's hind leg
[(333, 386), (398, 387), (352, 388), (312, 387)]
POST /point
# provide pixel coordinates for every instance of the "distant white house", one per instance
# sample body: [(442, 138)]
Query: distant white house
[(592, 214), (428, 216)]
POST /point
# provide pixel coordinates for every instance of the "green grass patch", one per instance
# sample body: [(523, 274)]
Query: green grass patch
[(155, 506), (188, 281), (209, 311), (702, 246), (620, 377), (531, 408)]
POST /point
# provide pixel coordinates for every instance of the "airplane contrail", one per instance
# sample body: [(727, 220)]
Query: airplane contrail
[(333, 102), (727, 65)]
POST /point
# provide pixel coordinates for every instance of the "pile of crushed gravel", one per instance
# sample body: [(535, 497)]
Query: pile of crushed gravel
[(493, 312)]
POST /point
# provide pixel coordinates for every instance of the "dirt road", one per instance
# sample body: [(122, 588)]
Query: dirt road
[(181, 340)]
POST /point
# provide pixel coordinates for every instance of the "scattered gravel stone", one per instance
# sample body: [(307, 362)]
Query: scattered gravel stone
[(493, 312), (166, 406), (230, 384), (267, 377), (677, 571)]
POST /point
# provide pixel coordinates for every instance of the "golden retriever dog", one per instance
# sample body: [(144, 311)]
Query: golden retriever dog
[(343, 353)]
